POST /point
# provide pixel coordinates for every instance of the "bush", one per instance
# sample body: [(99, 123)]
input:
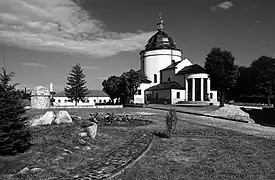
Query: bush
[(171, 122), (14, 134)]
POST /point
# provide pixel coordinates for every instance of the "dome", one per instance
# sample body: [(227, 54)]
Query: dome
[(160, 40)]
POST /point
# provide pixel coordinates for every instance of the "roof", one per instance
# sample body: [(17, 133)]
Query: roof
[(160, 40), (92, 93), (171, 66), (165, 85), (192, 69)]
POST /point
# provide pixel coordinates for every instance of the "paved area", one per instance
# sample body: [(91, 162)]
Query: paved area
[(115, 161)]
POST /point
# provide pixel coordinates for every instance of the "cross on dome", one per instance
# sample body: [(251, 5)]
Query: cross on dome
[(160, 24)]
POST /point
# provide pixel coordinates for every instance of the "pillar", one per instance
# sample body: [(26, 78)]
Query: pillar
[(208, 87), (202, 93), (193, 89), (186, 90)]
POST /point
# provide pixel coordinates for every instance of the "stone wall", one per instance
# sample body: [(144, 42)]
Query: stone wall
[(40, 97)]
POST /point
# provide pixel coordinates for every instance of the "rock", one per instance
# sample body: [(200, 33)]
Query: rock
[(82, 142), (88, 148), (92, 130), (46, 119), (36, 170), (24, 171), (82, 134), (63, 117)]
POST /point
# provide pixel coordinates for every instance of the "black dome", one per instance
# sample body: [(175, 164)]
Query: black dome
[(160, 40)]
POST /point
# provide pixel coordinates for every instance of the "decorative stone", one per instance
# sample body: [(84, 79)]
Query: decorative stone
[(63, 117), (46, 119), (83, 134), (36, 170), (24, 171), (92, 130), (40, 97)]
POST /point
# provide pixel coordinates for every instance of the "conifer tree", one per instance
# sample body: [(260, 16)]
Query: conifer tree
[(76, 89), (14, 133)]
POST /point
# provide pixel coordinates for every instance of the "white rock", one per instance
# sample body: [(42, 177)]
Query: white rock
[(82, 134), (92, 130), (46, 119), (24, 170), (36, 170), (63, 117)]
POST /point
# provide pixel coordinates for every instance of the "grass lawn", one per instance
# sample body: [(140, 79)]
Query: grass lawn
[(203, 152), (195, 152)]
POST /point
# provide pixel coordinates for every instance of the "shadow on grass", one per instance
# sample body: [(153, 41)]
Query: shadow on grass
[(263, 116)]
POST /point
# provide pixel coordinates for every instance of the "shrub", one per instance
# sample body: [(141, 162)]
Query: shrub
[(14, 133), (171, 121)]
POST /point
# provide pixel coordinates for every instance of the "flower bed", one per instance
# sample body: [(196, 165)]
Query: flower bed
[(122, 120)]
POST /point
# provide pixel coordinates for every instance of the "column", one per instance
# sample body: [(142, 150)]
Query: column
[(202, 93), (186, 90), (193, 89), (208, 85)]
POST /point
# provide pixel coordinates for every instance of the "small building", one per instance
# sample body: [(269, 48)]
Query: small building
[(171, 78), (94, 97)]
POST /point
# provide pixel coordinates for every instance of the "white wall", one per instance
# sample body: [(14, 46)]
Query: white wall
[(174, 98), (156, 60), (140, 99), (60, 101)]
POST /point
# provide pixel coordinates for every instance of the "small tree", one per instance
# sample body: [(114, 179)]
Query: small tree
[(171, 121), (14, 134), (76, 89), (222, 71)]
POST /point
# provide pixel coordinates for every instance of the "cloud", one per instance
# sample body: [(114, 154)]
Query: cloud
[(62, 26), (34, 64), (224, 5)]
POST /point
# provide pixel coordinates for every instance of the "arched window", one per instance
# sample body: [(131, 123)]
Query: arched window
[(169, 79), (178, 95), (155, 78)]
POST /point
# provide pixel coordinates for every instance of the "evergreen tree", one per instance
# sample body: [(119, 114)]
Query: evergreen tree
[(14, 134), (76, 89)]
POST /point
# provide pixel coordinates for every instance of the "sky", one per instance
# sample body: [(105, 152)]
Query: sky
[(42, 40)]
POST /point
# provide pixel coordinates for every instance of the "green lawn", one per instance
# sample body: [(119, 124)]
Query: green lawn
[(195, 152)]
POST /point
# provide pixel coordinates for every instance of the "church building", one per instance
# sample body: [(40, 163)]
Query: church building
[(172, 79)]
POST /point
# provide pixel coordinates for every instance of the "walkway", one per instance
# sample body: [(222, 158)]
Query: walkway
[(114, 162)]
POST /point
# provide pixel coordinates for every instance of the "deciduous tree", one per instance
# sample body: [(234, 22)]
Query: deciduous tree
[(220, 66)]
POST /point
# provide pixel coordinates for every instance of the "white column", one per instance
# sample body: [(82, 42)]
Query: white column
[(186, 90), (202, 94), (193, 89), (208, 87)]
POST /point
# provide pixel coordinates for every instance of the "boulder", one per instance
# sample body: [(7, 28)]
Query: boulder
[(92, 130), (46, 119), (63, 117)]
